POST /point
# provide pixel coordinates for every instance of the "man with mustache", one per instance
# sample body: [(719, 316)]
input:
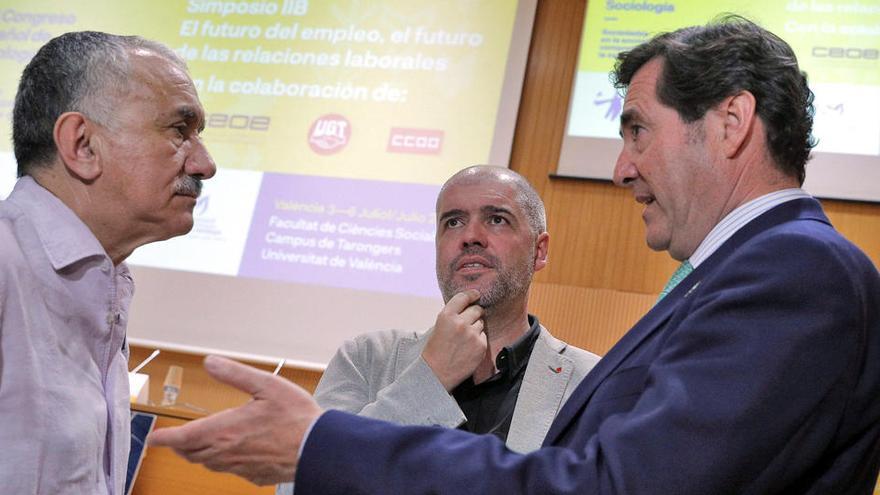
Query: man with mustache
[(106, 136), (486, 366)]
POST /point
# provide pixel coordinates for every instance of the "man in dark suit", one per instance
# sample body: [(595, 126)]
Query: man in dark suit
[(758, 373)]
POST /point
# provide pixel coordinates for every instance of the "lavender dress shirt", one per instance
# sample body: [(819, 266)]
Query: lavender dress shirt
[(64, 399)]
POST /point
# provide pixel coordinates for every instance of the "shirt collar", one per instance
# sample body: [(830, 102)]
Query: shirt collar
[(738, 218), (513, 357), (63, 235)]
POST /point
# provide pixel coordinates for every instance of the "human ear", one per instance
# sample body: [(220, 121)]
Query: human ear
[(738, 113), (73, 139), (542, 245)]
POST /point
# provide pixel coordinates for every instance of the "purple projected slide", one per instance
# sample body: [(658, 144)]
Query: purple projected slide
[(356, 234)]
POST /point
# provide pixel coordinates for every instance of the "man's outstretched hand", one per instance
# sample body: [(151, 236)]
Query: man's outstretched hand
[(258, 441)]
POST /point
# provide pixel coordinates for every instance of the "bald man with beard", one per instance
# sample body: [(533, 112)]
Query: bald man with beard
[(487, 365)]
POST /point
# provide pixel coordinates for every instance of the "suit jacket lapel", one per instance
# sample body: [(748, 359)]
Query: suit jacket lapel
[(540, 394), (805, 209), (645, 327)]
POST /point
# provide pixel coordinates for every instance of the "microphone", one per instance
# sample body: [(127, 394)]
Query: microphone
[(146, 361), (278, 368)]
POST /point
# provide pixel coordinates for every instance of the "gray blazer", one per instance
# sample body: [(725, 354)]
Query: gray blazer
[(382, 375)]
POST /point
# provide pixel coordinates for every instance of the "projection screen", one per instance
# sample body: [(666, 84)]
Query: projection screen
[(333, 123), (837, 43)]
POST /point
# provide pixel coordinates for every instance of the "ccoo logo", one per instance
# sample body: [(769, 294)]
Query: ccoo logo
[(419, 141), (329, 134)]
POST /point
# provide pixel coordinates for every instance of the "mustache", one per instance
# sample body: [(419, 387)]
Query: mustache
[(474, 250), (189, 185)]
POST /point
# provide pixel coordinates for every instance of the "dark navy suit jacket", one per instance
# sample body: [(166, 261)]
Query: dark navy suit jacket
[(759, 373)]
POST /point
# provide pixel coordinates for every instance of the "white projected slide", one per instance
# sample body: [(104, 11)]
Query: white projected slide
[(837, 43), (333, 123)]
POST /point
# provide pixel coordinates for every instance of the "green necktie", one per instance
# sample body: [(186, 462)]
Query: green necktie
[(683, 271)]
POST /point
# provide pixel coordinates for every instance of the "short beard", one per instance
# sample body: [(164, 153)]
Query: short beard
[(510, 283)]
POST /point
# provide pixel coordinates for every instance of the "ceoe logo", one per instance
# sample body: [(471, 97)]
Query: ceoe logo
[(329, 134)]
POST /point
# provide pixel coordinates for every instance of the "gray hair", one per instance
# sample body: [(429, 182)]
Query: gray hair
[(526, 195), (86, 72)]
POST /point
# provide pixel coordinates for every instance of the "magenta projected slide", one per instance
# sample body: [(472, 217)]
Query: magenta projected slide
[(298, 235)]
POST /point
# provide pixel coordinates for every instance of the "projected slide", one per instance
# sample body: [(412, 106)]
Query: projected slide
[(332, 123), (838, 45)]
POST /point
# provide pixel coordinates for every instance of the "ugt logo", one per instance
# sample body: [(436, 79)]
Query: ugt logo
[(329, 134)]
